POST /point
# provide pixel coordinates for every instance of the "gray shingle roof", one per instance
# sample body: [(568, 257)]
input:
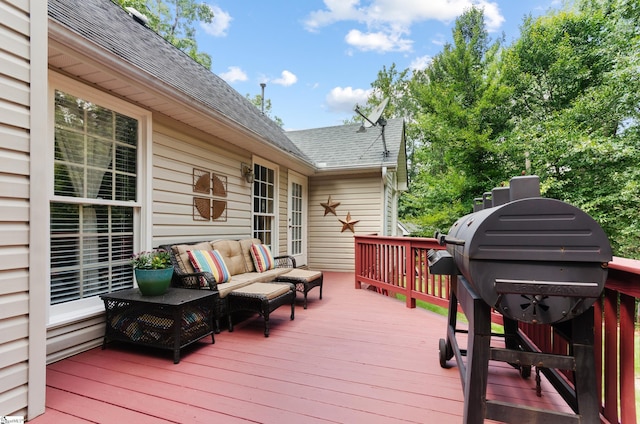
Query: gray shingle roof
[(343, 146), (110, 27)]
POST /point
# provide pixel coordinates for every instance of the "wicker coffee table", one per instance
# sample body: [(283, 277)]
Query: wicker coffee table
[(170, 321), (262, 298)]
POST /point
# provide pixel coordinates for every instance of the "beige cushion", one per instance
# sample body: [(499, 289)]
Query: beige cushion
[(267, 276), (231, 252), (268, 290), (225, 288), (182, 258), (242, 280), (302, 275), (245, 245)]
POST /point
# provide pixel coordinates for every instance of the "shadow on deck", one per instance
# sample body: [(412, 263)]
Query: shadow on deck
[(354, 356)]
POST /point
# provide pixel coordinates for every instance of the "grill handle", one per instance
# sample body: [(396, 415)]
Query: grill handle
[(445, 239), (453, 240)]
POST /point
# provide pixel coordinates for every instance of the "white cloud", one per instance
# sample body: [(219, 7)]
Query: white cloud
[(233, 74), (338, 10), (343, 100), (420, 63), (286, 79), (220, 23), (388, 21), (377, 41)]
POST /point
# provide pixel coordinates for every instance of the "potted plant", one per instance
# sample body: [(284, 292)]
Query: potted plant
[(153, 271)]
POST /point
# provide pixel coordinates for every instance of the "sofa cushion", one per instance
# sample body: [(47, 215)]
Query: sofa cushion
[(182, 258), (245, 245), (262, 257), (238, 281), (209, 261), (267, 276), (231, 252), (264, 290)]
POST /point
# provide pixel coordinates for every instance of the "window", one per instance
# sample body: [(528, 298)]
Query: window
[(92, 212), (264, 207)]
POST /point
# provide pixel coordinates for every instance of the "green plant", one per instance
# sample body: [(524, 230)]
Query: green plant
[(155, 259)]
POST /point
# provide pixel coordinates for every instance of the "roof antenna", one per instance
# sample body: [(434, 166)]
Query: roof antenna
[(263, 85), (375, 118)]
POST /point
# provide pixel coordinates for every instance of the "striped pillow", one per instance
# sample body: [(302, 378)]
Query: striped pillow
[(262, 257), (209, 261)]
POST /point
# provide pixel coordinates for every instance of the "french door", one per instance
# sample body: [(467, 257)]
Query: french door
[(297, 218)]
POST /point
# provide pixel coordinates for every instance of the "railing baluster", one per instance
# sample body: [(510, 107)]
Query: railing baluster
[(627, 336), (610, 351)]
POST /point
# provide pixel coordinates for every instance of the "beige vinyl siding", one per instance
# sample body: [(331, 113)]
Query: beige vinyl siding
[(69, 339), (176, 152), (19, 65), (331, 249), (14, 209)]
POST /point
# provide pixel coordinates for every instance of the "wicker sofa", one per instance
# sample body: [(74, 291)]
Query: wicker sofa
[(237, 257)]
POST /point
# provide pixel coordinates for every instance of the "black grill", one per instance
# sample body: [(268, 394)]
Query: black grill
[(534, 260)]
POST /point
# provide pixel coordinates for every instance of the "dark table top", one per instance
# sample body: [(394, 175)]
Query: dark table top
[(173, 296)]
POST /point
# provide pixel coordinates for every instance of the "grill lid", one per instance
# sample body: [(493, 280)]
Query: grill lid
[(531, 229)]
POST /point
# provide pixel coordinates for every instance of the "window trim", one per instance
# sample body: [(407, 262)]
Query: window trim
[(276, 202), (62, 313)]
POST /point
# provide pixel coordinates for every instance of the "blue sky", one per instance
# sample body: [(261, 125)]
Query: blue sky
[(319, 58)]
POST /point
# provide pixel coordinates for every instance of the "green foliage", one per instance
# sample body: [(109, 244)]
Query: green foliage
[(257, 101), (155, 259), (174, 21), (459, 113), (561, 102)]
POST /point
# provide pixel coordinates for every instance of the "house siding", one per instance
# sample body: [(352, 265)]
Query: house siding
[(330, 248), (19, 65), (176, 153)]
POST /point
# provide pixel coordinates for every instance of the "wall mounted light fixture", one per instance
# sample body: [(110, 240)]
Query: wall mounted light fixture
[(247, 172)]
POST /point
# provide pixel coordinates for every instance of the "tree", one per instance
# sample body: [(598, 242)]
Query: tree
[(174, 21), (257, 101), (460, 112), (574, 76)]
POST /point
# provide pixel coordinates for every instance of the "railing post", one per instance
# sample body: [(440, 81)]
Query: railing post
[(358, 263), (410, 264)]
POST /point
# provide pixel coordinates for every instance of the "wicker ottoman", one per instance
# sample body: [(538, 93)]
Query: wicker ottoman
[(262, 298), (304, 281)]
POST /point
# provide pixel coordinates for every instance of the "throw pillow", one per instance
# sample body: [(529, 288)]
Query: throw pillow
[(209, 261), (262, 257)]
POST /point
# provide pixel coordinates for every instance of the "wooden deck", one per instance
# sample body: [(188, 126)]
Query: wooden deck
[(353, 357)]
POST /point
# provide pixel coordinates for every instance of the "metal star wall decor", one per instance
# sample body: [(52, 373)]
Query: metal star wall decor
[(349, 223), (330, 206)]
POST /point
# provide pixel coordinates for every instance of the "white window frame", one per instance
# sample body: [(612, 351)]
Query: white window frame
[(62, 313), (276, 202)]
